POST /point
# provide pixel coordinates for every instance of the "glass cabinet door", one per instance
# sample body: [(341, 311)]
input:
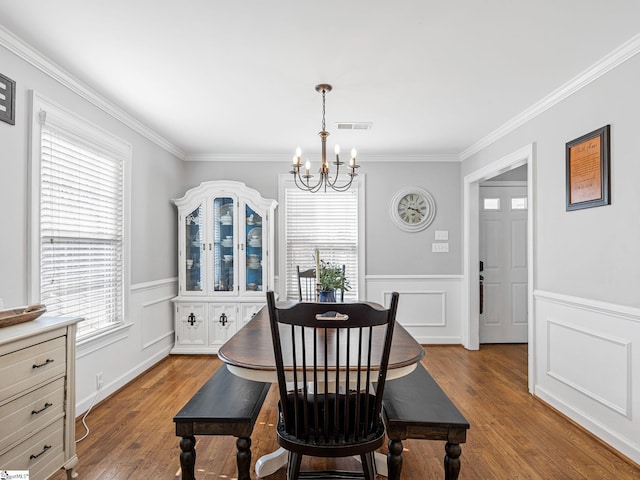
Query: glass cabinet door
[(223, 244), (194, 246), (254, 251)]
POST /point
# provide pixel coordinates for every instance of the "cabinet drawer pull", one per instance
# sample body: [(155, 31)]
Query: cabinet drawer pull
[(223, 319), (47, 362), (46, 405), (32, 456)]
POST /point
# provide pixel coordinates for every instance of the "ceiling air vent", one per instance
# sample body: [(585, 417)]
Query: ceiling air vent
[(354, 125)]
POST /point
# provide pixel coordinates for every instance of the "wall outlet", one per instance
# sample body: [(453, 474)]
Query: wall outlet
[(99, 380)]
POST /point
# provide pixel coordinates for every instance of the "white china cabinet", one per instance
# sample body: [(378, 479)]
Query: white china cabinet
[(225, 262)]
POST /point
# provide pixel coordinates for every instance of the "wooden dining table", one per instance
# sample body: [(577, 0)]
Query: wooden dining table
[(249, 354)]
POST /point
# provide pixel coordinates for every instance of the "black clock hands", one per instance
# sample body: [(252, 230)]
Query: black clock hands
[(416, 210)]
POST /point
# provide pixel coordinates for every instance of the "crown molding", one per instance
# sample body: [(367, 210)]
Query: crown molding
[(618, 56), (235, 157), (25, 51), (371, 158)]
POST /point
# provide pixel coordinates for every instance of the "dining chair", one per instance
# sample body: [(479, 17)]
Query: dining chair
[(331, 368), (307, 285)]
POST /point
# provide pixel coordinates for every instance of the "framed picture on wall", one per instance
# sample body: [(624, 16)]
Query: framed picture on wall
[(7, 100), (587, 170)]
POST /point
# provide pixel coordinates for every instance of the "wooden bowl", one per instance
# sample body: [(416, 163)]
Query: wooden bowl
[(22, 314)]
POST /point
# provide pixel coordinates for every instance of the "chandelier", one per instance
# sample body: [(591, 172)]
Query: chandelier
[(326, 179)]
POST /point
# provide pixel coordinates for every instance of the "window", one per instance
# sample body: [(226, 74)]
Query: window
[(78, 230), (327, 221), (519, 203), (492, 204)]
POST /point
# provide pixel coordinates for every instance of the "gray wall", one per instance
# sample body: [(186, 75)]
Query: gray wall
[(585, 324), (591, 253), (389, 250), (155, 179)]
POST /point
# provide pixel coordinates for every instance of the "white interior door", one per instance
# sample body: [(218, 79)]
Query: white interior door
[(503, 251)]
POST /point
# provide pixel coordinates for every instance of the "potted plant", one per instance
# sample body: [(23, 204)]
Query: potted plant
[(331, 278)]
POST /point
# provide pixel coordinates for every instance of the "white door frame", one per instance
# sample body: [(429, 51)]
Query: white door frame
[(471, 273)]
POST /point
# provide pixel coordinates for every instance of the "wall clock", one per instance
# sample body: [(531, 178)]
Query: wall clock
[(413, 209)]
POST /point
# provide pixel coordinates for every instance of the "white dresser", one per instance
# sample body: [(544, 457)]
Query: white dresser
[(37, 397)]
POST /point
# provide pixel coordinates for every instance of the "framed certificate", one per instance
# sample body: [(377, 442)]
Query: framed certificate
[(587, 170)]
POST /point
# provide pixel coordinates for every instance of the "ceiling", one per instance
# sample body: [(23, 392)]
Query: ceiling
[(237, 77)]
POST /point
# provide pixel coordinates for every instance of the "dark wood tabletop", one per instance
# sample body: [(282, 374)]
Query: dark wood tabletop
[(251, 348)]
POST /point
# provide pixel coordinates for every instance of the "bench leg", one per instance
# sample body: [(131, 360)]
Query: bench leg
[(394, 459), (188, 457), (243, 458), (452, 461)]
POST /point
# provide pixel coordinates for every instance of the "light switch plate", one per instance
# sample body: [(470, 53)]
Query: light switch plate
[(442, 235), (440, 247)]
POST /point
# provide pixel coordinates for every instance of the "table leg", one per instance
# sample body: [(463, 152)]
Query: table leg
[(394, 459), (188, 457), (243, 458), (452, 461)]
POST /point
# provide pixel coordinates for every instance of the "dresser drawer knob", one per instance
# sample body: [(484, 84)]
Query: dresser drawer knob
[(46, 405), (32, 456), (47, 362)]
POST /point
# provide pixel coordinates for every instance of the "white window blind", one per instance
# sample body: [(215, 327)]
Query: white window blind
[(327, 221), (81, 230)]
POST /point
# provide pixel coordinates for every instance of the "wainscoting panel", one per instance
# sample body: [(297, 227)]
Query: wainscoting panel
[(151, 306), (591, 358), (144, 340), (429, 306), (586, 368)]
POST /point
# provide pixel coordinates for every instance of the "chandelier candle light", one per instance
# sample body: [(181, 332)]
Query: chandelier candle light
[(303, 182)]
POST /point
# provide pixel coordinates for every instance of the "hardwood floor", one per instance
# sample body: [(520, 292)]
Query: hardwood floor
[(512, 435)]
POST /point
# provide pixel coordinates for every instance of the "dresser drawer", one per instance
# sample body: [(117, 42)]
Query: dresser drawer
[(41, 454), (29, 413), (24, 369)]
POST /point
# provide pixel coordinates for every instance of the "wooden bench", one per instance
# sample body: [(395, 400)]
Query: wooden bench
[(225, 405), (414, 406)]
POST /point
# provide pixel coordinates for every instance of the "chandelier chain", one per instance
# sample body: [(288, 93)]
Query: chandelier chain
[(323, 110)]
